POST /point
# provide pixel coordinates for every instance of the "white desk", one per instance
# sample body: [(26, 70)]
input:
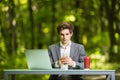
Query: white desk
[(110, 74)]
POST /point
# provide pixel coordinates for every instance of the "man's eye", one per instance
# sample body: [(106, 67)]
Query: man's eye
[(67, 34)]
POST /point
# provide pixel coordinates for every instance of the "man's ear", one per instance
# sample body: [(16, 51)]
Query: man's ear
[(71, 34)]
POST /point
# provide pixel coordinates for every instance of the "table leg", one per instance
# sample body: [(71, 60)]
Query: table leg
[(113, 76), (5, 76), (12, 77), (107, 77)]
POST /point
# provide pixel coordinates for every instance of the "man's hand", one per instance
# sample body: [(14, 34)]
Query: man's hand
[(66, 60)]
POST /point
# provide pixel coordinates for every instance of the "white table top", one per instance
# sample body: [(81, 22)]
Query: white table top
[(57, 71)]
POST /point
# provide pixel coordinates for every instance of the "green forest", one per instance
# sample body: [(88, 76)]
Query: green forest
[(31, 24)]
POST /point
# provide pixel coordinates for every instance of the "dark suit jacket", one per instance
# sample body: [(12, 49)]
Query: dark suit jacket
[(77, 53)]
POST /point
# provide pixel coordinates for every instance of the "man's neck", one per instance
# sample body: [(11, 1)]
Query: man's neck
[(65, 44)]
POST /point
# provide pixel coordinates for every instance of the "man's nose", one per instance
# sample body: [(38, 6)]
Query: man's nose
[(64, 36)]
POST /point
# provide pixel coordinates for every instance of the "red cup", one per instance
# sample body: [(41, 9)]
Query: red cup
[(86, 63)]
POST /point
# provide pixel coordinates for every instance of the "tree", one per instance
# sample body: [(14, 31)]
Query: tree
[(31, 23), (110, 8)]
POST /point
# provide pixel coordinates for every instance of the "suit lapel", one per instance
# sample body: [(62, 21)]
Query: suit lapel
[(58, 50), (72, 50)]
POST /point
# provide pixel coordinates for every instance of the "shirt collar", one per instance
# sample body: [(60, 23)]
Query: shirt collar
[(61, 45)]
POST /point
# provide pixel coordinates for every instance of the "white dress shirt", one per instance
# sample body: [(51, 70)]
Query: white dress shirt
[(64, 51)]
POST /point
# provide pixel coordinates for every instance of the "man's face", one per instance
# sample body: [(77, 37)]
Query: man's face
[(65, 36)]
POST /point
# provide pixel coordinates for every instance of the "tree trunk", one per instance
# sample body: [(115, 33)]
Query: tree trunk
[(31, 22), (12, 42), (53, 22), (76, 27), (101, 12), (110, 12)]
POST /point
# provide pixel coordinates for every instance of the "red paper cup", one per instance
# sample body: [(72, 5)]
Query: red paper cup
[(86, 63)]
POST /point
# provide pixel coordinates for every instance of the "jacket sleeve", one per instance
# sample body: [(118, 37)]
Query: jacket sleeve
[(52, 56), (79, 59)]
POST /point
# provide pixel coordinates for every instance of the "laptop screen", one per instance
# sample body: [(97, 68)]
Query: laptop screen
[(38, 59)]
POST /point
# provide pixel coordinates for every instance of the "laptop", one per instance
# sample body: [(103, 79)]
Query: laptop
[(38, 59)]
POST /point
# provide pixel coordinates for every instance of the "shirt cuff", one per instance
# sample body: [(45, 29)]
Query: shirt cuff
[(74, 64), (56, 64)]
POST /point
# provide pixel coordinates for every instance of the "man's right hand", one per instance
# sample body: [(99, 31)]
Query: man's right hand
[(63, 60), (66, 60)]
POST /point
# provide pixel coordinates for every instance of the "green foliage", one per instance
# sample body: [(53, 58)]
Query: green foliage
[(96, 25)]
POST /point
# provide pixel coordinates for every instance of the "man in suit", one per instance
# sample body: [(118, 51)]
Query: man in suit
[(66, 54)]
